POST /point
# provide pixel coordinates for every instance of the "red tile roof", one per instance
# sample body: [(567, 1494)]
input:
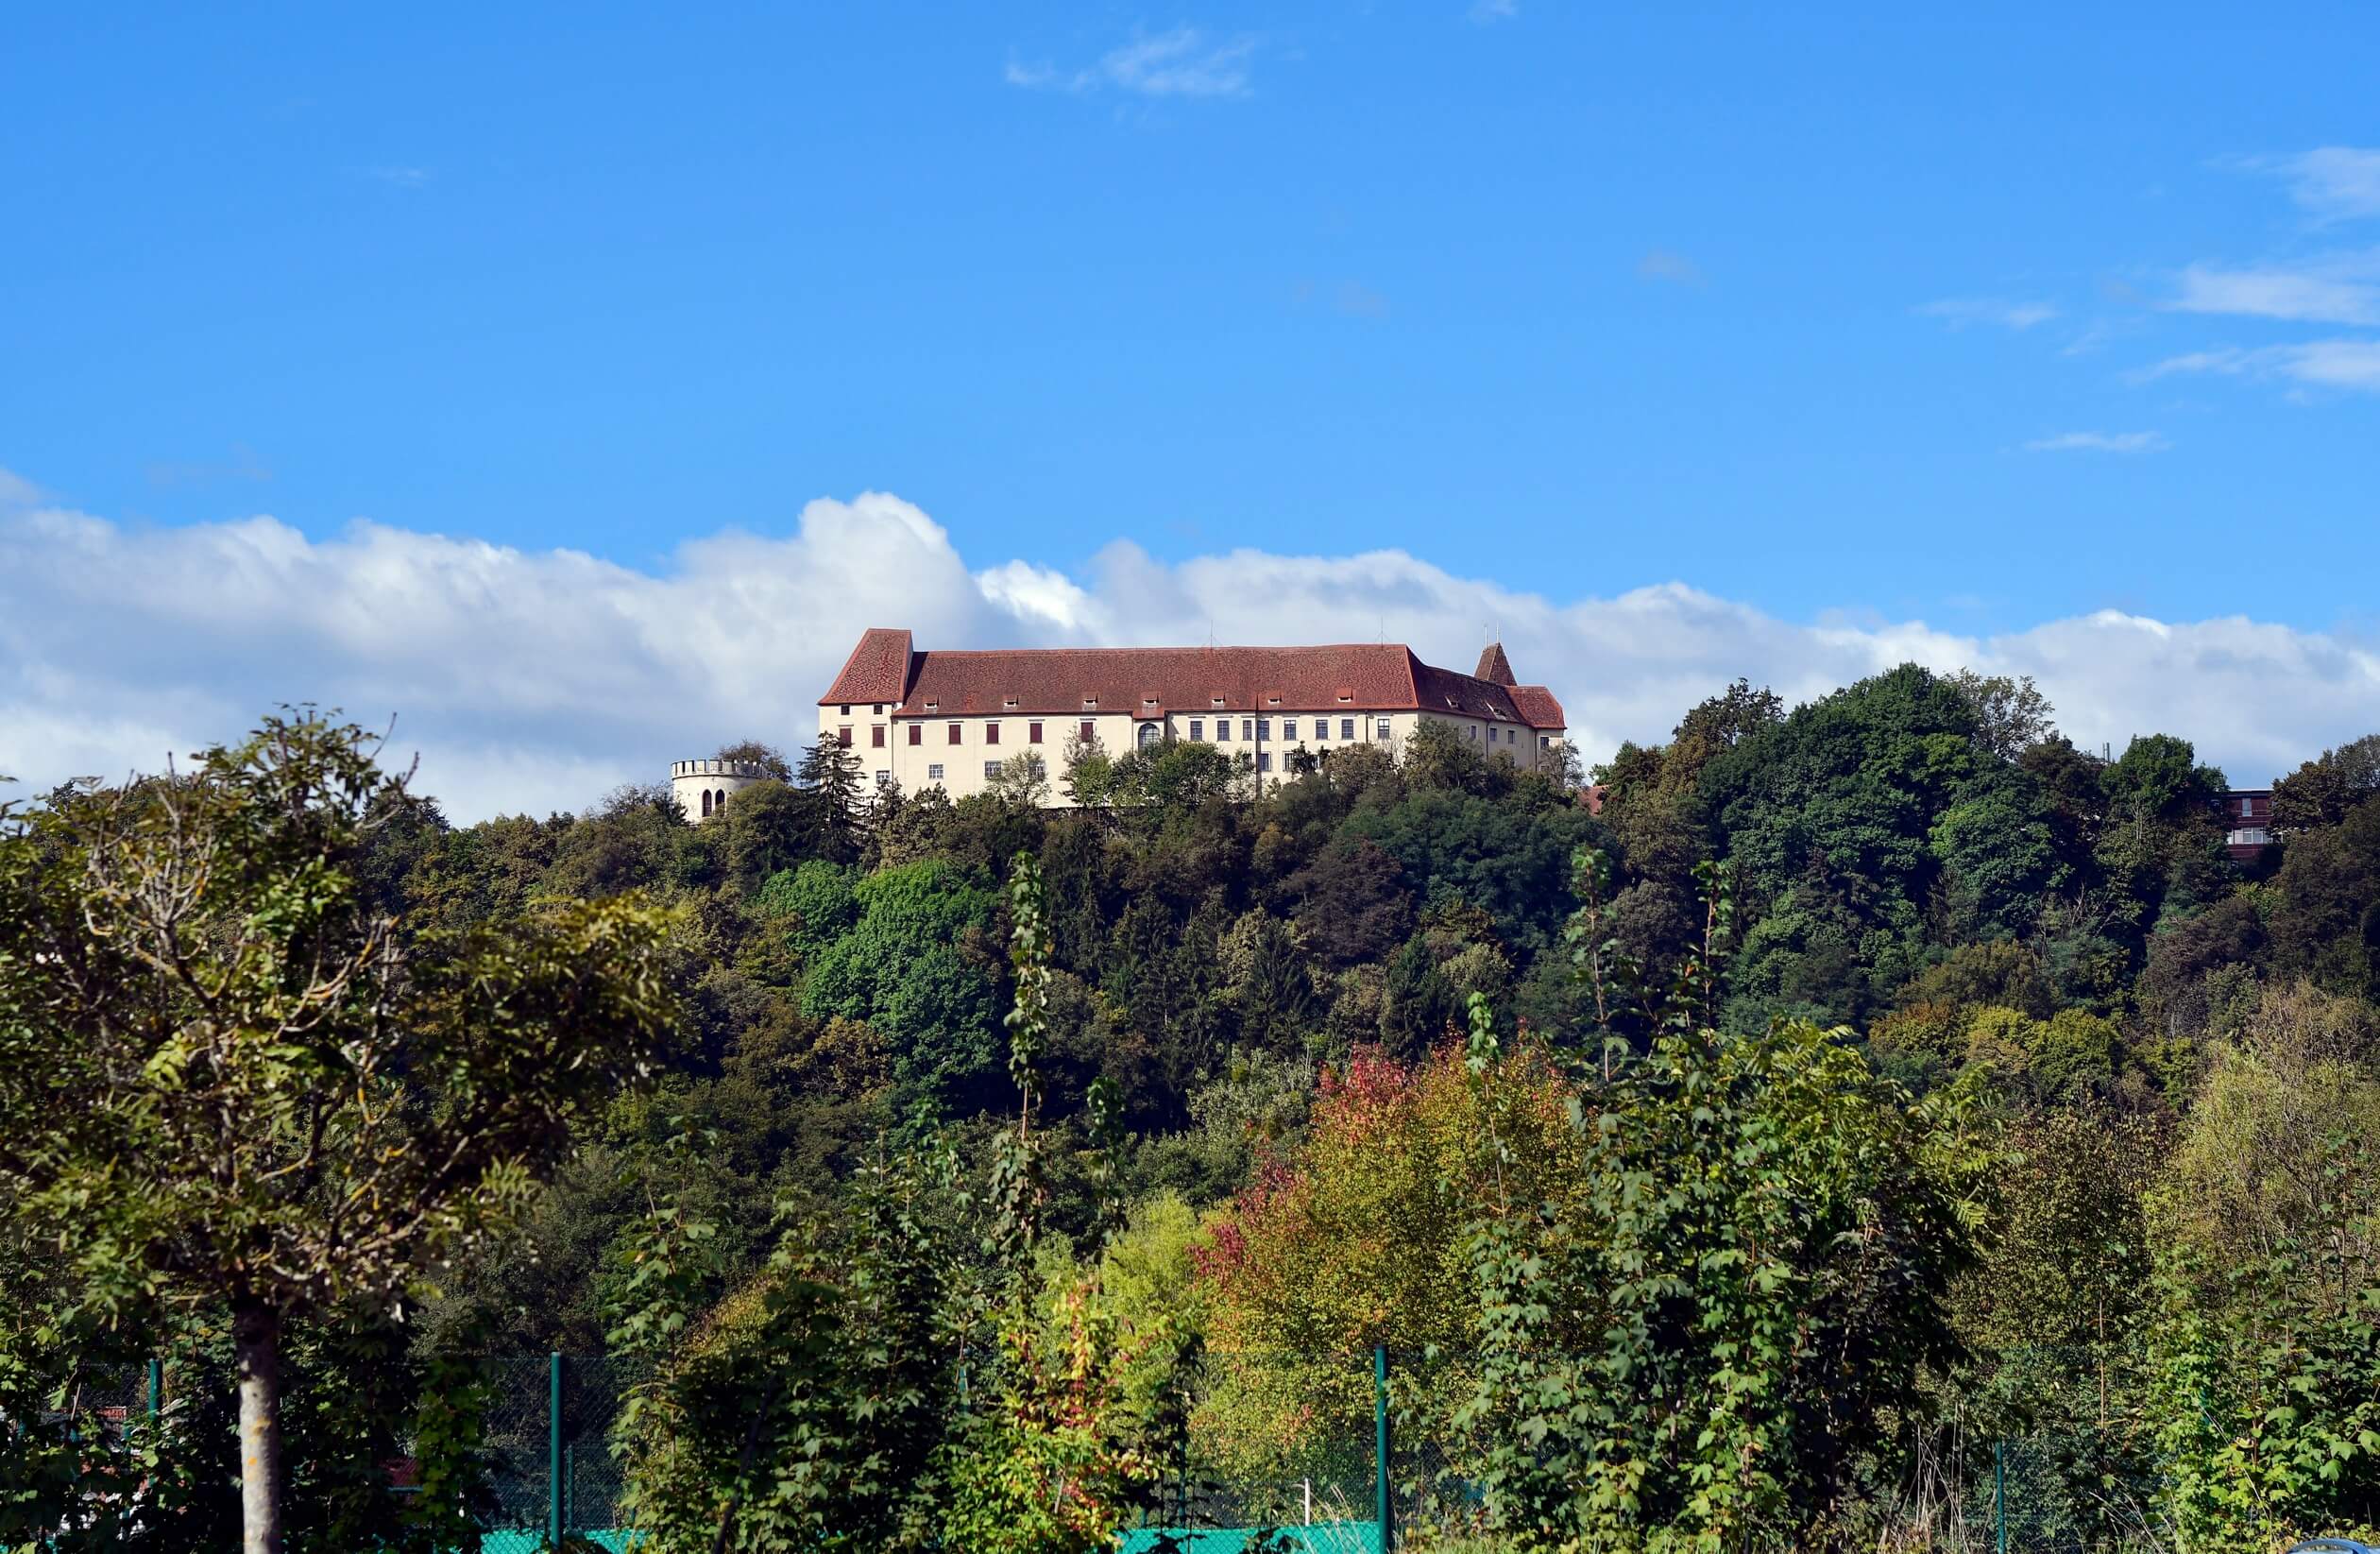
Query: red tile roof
[(1151, 681), (1494, 667), (1538, 707), (879, 668)]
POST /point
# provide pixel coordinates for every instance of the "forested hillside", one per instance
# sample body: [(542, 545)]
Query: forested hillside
[(1919, 859), (1848, 1080)]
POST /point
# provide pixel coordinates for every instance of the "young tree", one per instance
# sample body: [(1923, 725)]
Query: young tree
[(1022, 783), (227, 1081), (1090, 772)]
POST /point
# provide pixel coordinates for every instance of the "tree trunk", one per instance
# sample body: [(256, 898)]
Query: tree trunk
[(256, 1347)]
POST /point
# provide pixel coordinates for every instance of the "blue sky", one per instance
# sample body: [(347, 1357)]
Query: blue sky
[(1887, 314)]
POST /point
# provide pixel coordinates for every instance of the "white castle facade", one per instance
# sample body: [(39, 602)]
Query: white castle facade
[(951, 718)]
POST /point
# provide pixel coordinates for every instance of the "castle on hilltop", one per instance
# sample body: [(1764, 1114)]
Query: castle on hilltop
[(948, 719)]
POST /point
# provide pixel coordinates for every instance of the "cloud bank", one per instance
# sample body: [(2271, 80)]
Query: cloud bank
[(535, 680)]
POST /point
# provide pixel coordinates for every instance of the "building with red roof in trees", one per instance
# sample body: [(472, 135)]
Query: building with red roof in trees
[(948, 719)]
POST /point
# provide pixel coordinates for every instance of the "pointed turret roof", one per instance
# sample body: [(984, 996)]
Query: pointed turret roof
[(1494, 667)]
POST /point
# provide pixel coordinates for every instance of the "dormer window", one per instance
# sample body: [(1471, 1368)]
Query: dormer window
[(1090, 703), (933, 706), (1272, 701), (1215, 701), (1008, 704), (1345, 695)]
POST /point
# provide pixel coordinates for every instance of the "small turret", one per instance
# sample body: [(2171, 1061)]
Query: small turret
[(701, 787)]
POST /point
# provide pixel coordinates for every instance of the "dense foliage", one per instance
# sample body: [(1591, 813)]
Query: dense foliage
[(1985, 1096)]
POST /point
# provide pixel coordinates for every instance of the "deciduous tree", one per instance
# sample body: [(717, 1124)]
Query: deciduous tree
[(228, 1081)]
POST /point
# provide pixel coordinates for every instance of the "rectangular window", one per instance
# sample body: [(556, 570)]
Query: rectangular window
[(1263, 728), (1032, 733), (1471, 732), (877, 710), (843, 736), (991, 733), (1346, 728), (953, 733), (990, 769), (875, 736), (1545, 742), (1380, 730), (917, 733), (1198, 731), (1264, 761), (933, 773), (1090, 733), (2247, 807), (884, 779), (1288, 728), (1222, 730), (843, 710), (1248, 728)]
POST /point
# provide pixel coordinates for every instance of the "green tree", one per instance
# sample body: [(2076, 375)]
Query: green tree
[(2324, 790), (770, 827), (2265, 1345), (768, 757), (1022, 783), (2325, 904), (2011, 715), (1711, 1355), (228, 1083), (913, 965), (829, 780), (1711, 1358), (1861, 829)]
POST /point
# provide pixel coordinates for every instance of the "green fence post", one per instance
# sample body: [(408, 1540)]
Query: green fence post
[(157, 1387), (1999, 1496), (553, 1448), (1379, 1447)]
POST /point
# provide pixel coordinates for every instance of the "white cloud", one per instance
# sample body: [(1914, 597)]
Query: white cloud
[(2336, 290), (2099, 442), (1488, 13), (534, 680), (1960, 312), (1183, 62), (17, 491), (2346, 364), (2337, 182)]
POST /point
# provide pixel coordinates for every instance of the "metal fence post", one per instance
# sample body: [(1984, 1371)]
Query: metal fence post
[(553, 1448), (1379, 1447), (1999, 1496), (157, 1387)]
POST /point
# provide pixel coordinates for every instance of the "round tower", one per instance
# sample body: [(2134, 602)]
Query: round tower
[(701, 787)]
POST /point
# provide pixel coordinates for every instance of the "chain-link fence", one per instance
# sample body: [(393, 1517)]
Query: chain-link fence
[(547, 1429), (1270, 1451), (1273, 1453)]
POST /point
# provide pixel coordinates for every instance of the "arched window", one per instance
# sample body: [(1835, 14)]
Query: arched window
[(718, 802), (1149, 734), (707, 804)]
